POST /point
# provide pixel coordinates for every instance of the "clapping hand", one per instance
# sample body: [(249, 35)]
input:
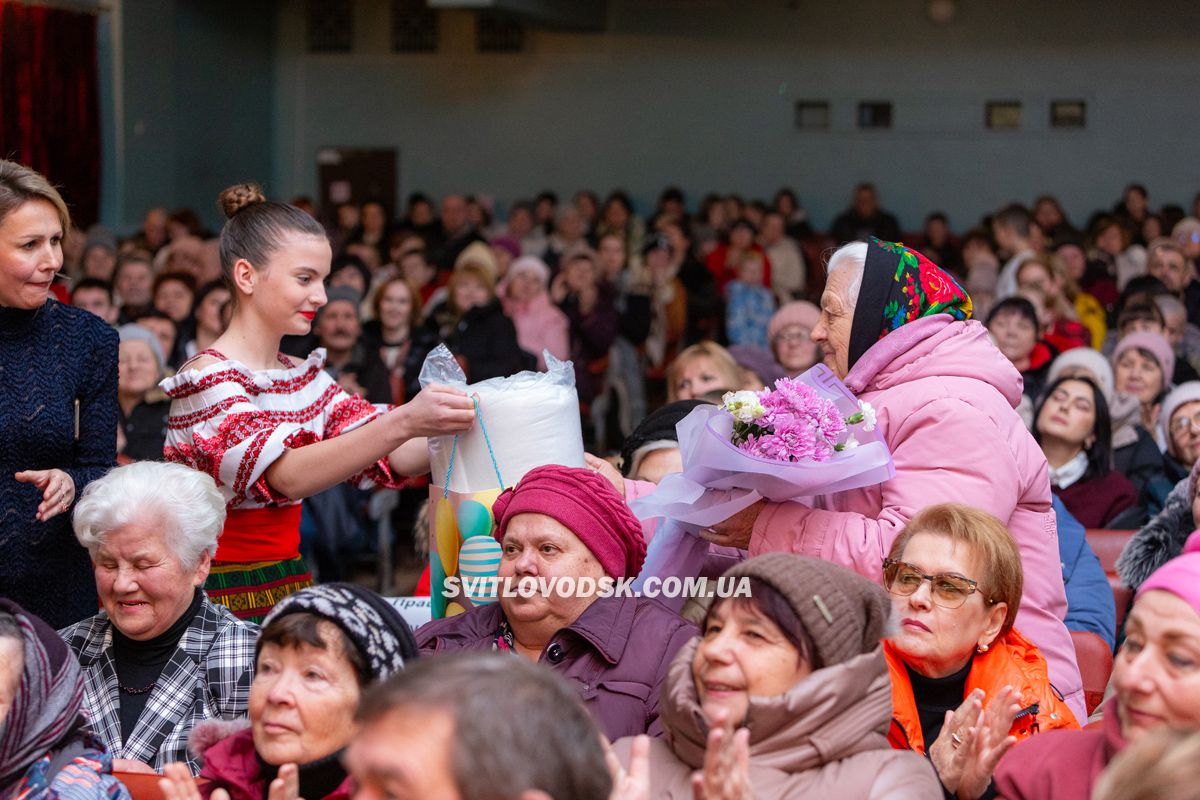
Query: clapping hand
[(178, 784), (350, 385), (286, 785), (951, 738), (633, 784), (726, 772), (973, 740), (559, 288), (987, 743)]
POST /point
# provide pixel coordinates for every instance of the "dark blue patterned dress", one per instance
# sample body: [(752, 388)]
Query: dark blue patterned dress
[(58, 410)]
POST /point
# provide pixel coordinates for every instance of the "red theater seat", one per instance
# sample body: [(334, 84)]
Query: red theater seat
[(1095, 665), (1108, 546)]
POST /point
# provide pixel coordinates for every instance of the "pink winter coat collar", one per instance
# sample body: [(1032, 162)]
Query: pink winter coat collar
[(826, 737), (935, 346), (944, 398)]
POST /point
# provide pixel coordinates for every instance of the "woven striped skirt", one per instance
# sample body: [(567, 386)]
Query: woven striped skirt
[(251, 590)]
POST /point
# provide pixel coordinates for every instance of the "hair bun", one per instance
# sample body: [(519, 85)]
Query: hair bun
[(238, 196)]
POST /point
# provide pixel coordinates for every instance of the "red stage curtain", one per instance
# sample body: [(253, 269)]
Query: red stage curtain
[(49, 100)]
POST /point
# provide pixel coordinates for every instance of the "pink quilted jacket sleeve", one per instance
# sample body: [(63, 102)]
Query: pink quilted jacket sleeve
[(937, 451)]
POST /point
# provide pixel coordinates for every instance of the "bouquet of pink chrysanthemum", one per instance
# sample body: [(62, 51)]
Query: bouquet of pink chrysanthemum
[(807, 436), (792, 422)]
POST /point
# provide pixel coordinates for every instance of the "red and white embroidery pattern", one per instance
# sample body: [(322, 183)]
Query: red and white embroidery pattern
[(232, 423)]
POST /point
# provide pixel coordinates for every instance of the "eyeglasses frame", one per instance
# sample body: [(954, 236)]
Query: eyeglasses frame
[(974, 585)]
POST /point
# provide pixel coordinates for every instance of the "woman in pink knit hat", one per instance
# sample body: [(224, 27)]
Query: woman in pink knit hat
[(790, 335), (563, 523), (1156, 677), (1143, 364)]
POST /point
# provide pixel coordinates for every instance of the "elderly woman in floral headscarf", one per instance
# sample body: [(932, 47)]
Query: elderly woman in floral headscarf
[(46, 749), (898, 331)]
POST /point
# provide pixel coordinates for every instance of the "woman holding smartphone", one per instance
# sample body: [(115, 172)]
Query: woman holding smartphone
[(272, 430), (58, 406)]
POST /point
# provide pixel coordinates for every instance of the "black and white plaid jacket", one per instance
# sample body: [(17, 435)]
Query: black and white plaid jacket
[(208, 677)]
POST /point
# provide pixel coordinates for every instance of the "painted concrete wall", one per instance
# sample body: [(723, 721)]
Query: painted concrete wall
[(701, 93), (198, 114), (694, 92)]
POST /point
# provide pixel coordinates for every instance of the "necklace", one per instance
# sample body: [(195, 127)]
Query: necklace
[(131, 690)]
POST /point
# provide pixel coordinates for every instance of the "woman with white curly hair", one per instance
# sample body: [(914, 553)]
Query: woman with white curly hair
[(160, 656)]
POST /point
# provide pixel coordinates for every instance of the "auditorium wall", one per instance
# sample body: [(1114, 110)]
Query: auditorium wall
[(699, 93)]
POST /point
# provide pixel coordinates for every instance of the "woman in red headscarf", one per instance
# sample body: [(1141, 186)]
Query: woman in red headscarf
[(569, 523)]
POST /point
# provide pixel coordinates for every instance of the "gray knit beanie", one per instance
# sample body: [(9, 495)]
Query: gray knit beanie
[(845, 614), (132, 332)]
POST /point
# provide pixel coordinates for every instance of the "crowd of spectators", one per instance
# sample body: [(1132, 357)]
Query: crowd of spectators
[(911, 639)]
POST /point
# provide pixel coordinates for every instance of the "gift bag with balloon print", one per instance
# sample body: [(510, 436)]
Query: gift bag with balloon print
[(462, 548), (523, 421)]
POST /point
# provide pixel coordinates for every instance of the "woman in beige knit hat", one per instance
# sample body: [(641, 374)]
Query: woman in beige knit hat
[(797, 670)]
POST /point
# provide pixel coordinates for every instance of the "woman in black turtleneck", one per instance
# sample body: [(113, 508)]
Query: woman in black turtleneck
[(963, 678), (319, 649), (161, 656)]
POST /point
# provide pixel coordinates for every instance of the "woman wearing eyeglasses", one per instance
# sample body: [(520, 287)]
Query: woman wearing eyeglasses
[(1180, 421), (966, 685), (790, 334)]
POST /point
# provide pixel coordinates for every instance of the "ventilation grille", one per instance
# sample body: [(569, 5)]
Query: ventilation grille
[(874, 115), (414, 27), (1068, 114), (498, 33), (330, 26), (812, 115), (1002, 115)]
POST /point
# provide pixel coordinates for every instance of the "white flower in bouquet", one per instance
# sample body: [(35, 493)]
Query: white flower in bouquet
[(864, 417), (743, 406), (791, 442), (794, 423)]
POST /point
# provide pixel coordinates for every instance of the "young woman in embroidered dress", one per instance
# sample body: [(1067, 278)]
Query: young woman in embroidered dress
[(272, 430)]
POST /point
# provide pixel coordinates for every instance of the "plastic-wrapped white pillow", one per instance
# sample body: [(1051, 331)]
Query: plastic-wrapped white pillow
[(530, 419)]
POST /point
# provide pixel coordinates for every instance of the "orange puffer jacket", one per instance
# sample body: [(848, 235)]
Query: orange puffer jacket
[(1012, 660)]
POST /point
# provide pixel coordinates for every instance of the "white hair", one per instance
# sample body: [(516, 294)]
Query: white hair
[(183, 500), (1170, 305), (850, 256)]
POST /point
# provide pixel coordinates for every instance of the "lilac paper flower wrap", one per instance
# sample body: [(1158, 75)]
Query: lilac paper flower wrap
[(720, 479)]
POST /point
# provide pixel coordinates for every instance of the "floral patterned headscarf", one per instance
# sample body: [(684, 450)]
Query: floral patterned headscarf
[(900, 285)]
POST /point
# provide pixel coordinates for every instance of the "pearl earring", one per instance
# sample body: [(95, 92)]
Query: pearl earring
[(983, 648)]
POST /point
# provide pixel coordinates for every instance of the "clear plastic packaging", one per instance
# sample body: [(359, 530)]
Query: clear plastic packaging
[(524, 421)]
